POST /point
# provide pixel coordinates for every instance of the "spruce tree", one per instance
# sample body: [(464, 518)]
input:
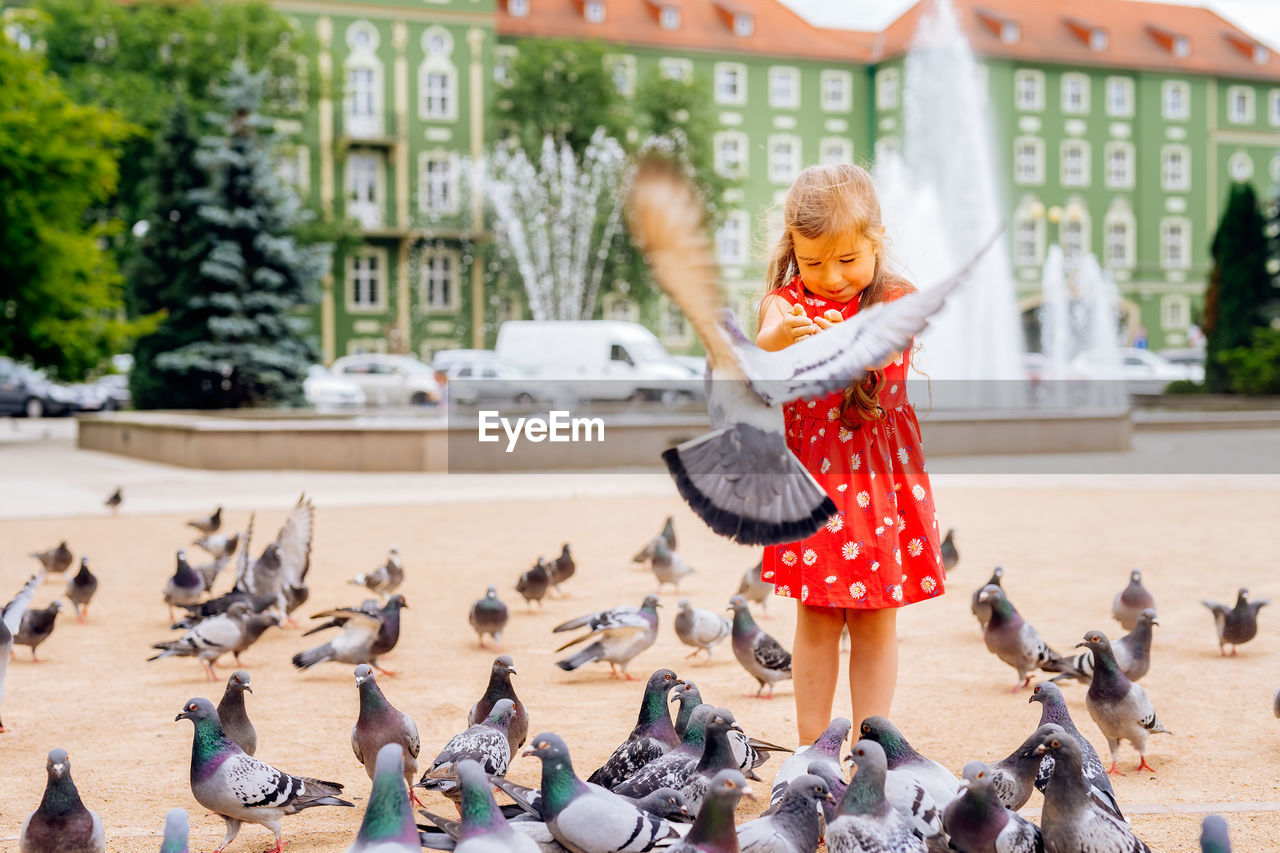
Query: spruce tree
[(1239, 284)]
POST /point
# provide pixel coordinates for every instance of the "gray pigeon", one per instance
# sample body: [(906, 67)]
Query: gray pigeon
[(61, 824), (489, 616), (36, 627), (980, 607), (80, 590), (1012, 779), (209, 572), (668, 566), (977, 821), (386, 578), (380, 723), (185, 587), (741, 478), (10, 623), (1119, 707), (864, 821), (208, 524), (1071, 820), (947, 550), (1131, 601), (793, 826), (358, 642), (533, 583), (616, 636), (210, 639), (56, 560), (713, 830), (176, 829), (1214, 837), (700, 629), (561, 569), (282, 569), (388, 825), (941, 784), (219, 545), (667, 535), (824, 750), (716, 756), (232, 714), (1053, 709), (673, 768), (240, 788), (754, 588), (1132, 651), (114, 500), (653, 734), (1236, 625), (485, 742), (760, 654), (500, 688), (483, 828), (1012, 639), (255, 625)]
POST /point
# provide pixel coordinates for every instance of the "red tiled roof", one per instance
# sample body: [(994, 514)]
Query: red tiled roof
[(1137, 35)]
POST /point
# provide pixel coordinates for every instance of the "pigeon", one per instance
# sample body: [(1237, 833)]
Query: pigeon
[(255, 625), (938, 781), (219, 545), (761, 655), (483, 828), (668, 566), (1119, 707), (713, 830), (80, 590), (700, 629), (388, 825), (792, 827), (485, 742), (1214, 837), (740, 478), (754, 588), (950, 556), (209, 524), (1131, 601), (976, 820), (825, 750), (56, 560), (36, 627), (386, 578), (749, 752), (688, 696), (282, 569), (673, 768), (716, 757), (652, 735), (1132, 651), (197, 613), (864, 821), (185, 587), (980, 607), (365, 635), (208, 572), (10, 623), (114, 500), (236, 724), (667, 535), (379, 724), (500, 688), (1012, 639), (489, 616), (532, 583), (1012, 779), (176, 829), (1070, 819), (61, 824), (562, 568), (586, 817), (238, 787), (209, 640), (1053, 709), (1237, 624), (615, 636)]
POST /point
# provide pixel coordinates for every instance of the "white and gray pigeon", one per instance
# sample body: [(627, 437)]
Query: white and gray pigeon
[(760, 654), (941, 784), (981, 608), (1070, 819), (210, 639), (1013, 778), (485, 742), (1214, 837), (615, 636), (1053, 710), (10, 621), (673, 768), (1236, 625), (356, 644), (219, 545), (388, 825), (380, 723), (81, 589), (864, 821), (61, 824), (1132, 651), (716, 756), (176, 830), (37, 626), (700, 629), (489, 615), (794, 826), (754, 588), (978, 821), (1013, 639), (56, 559), (667, 565), (240, 788), (713, 830), (1120, 708), (282, 569), (483, 828), (1129, 602), (385, 578), (185, 587), (825, 750), (233, 715), (740, 477)]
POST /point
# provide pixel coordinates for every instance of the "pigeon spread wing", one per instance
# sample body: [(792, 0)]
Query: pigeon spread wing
[(12, 614), (244, 563), (294, 542)]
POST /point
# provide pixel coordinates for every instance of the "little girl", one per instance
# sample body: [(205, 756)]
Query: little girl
[(880, 550)]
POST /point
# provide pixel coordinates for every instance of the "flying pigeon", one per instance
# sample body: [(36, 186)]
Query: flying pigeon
[(1131, 601), (864, 820), (938, 781), (209, 524), (1132, 651), (561, 569), (1012, 639), (652, 735), (388, 825), (500, 688), (1214, 837), (56, 560), (824, 750), (114, 500), (667, 535), (483, 828), (981, 608), (1119, 707), (36, 627), (533, 583), (209, 640), (668, 566), (386, 578), (208, 572), (1070, 819), (1236, 625), (80, 590), (197, 613), (950, 556), (10, 622), (61, 824), (219, 545), (713, 830), (185, 587), (489, 616), (366, 635), (238, 787), (760, 654), (754, 588), (976, 820), (380, 723), (1053, 709), (741, 478), (700, 629), (485, 742), (236, 724), (793, 827), (615, 636), (176, 829), (282, 569)]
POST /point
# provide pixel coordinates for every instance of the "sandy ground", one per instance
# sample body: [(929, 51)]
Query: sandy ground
[(1066, 552)]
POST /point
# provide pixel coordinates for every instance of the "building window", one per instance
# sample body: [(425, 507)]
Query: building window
[(294, 168), (615, 306), (1028, 160), (673, 68), (1175, 312), (833, 151), (1028, 237), (365, 290), (1175, 243), (1074, 168), (1175, 168), (669, 18), (1118, 229), (594, 12), (731, 239), (439, 280), (518, 8), (887, 81), (1119, 97), (438, 190), (1073, 234), (622, 70), (439, 101), (731, 83), (784, 88), (837, 91), (1273, 107), (784, 158), (363, 108), (1075, 93), (363, 196), (743, 25), (672, 325), (1240, 104), (1240, 166), (731, 154), (1118, 162), (1028, 89), (504, 59), (1176, 100)]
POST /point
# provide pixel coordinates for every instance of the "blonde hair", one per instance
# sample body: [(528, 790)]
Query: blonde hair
[(826, 203)]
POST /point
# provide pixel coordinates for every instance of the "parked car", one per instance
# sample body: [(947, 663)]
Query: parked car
[(326, 391), (445, 359), (27, 391), (486, 379), (390, 380), (114, 388), (1142, 371), (1191, 357)]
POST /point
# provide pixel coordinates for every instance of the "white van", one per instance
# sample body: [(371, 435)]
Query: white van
[(619, 360)]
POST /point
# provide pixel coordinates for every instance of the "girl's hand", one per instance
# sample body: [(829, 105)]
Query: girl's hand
[(829, 319), (797, 323)]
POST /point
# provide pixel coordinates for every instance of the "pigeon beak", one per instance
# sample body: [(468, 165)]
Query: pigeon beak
[(1040, 750), (179, 717), (829, 797), (58, 770), (964, 785), (1080, 644), (529, 753)]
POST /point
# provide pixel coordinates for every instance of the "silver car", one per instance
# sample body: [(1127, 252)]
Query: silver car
[(390, 380)]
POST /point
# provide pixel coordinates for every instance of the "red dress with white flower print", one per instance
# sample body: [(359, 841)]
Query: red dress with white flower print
[(880, 549)]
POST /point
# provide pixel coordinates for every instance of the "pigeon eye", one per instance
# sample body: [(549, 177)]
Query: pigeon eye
[(191, 707), (1056, 744)]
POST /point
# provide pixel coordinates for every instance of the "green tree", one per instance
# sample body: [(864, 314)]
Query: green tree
[(60, 294), (238, 324), (1239, 285)]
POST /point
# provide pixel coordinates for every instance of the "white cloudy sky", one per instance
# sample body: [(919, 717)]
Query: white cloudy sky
[(1260, 18)]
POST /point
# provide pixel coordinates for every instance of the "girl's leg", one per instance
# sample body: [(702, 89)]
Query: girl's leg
[(873, 662), (815, 666)]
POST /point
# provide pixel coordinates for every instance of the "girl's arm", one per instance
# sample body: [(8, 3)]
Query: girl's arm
[(782, 324)]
